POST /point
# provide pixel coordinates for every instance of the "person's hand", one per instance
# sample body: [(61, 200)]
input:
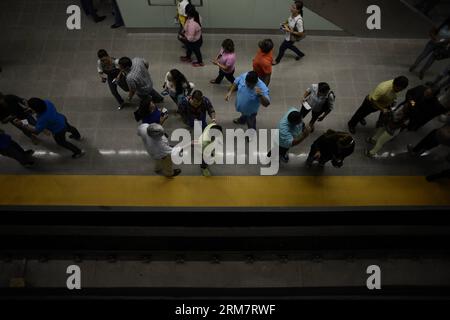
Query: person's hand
[(17, 122), (307, 131), (228, 96), (258, 91), (215, 62), (213, 121), (317, 155)]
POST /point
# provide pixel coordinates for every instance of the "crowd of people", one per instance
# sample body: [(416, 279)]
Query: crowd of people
[(422, 104)]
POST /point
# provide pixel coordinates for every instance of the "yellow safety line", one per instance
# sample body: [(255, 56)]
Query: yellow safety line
[(279, 191)]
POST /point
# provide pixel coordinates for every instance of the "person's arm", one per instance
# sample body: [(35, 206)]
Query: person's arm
[(132, 88), (264, 100), (305, 133), (27, 127), (233, 88), (210, 109), (307, 94), (146, 64), (8, 119), (100, 71), (163, 119), (330, 101)]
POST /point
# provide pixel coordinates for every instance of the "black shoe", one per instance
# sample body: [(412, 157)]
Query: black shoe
[(115, 26), (299, 57), (412, 68), (176, 172), (76, 138), (29, 164), (411, 151), (29, 152), (78, 155), (98, 19), (351, 129), (363, 122)]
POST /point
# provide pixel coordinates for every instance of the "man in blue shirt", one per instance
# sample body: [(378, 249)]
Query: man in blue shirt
[(251, 93), (292, 132), (49, 119)]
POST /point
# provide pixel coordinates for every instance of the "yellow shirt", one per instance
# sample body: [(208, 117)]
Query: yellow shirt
[(384, 95)]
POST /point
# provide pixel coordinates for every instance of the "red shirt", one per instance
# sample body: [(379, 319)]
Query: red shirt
[(262, 63)]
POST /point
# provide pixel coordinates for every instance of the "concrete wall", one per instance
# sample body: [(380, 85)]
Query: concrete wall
[(397, 19), (229, 14)]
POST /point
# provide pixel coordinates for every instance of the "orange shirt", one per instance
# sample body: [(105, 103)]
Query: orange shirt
[(262, 63)]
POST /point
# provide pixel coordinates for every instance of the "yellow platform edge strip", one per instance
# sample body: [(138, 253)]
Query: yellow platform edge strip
[(239, 191)]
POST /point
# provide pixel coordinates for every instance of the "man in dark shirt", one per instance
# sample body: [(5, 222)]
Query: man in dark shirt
[(195, 107), (13, 107), (332, 145), (426, 106)]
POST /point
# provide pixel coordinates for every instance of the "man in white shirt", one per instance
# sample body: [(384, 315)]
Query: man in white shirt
[(157, 146), (294, 31)]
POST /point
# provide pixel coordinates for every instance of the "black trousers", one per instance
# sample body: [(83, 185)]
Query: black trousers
[(429, 142), (282, 152), (60, 138), (364, 110), (230, 76), (16, 152), (315, 115), (288, 45), (194, 47), (88, 7), (113, 88)]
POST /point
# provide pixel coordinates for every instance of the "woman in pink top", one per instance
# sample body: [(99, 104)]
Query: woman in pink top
[(226, 61), (193, 38)]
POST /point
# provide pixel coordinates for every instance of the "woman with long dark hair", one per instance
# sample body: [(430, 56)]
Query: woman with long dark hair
[(294, 31), (193, 34), (176, 85)]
